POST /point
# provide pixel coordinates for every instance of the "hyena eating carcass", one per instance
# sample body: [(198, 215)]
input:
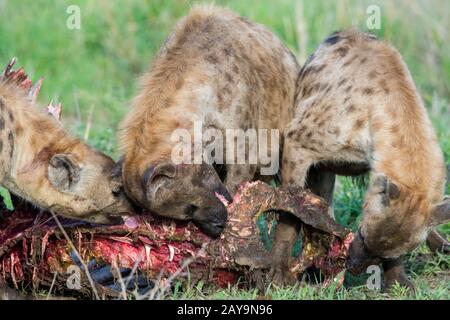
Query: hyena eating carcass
[(358, 111), (219, 69), (42, 164)]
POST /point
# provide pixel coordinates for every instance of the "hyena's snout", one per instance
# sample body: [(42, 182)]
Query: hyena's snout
[(212, 216), (211, 220), (359, 258)]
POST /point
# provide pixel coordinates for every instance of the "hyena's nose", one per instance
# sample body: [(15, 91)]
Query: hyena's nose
[(352, 266), (212, 220), (221, 215), (219, 219), (219, 224)]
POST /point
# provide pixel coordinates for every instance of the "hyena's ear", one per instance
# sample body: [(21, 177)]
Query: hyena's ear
[(63, 171), (155, 175), (116, 176), (386, 186), (441, 213)]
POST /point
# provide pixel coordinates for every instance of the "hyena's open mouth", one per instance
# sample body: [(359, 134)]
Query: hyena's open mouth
[(34, 252)]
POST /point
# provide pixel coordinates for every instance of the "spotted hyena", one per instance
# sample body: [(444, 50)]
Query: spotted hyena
[(44, 165), (219, 69), (358, 111)]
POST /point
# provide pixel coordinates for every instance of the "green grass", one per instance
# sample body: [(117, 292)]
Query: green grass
[(429, 273), (94, 72), (6, 198)]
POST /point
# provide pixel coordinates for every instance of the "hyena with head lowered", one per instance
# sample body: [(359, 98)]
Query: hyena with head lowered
[(358, 111), (223, 71), (42, 164)]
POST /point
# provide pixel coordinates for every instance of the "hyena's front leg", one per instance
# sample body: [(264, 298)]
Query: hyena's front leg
[(293, 173), (394, 272), (286, 233), (237, 174), (321, 183)]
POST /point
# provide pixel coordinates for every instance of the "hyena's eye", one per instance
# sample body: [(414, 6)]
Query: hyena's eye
[(190, 210), (117, 192), (388, 190), (392, 191)]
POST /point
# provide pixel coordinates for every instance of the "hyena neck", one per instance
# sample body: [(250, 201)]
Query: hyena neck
[(29, 138), (161, 148), (160, 137)]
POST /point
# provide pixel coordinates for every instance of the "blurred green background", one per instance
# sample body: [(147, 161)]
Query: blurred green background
[(94, 71)]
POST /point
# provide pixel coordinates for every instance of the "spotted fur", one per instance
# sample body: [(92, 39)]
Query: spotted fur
[(358, 111)]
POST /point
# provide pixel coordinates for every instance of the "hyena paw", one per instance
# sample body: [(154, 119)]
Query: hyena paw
[(281, 276), (402, 280)]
